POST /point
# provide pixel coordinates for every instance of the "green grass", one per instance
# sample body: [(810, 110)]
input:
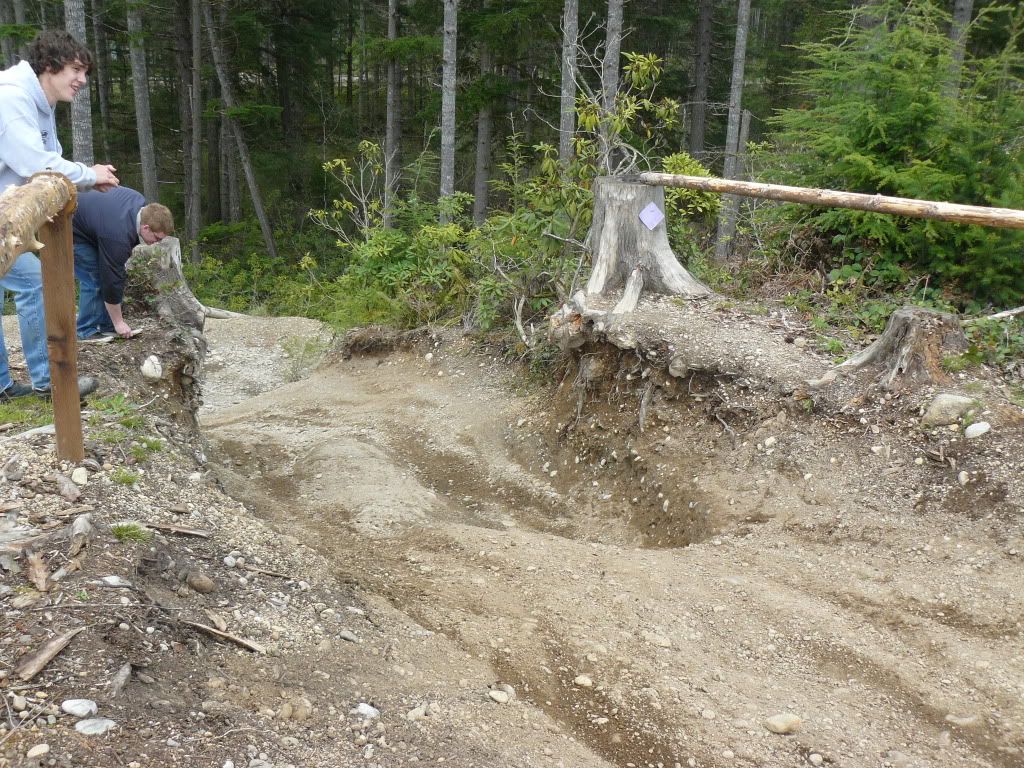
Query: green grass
[(131, 531), (123, 476), (146, 447), (26, 412)]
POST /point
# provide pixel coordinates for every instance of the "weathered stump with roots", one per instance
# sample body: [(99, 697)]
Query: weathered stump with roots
[(626, 254), (156, 286), (911, 349)]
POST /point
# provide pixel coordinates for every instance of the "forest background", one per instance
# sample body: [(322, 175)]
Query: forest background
[(414, 161)]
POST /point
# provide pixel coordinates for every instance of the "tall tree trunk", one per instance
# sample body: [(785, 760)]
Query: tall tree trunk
[(484, 124), (193, 205), (730, 203), (214, 209), (183, 72), (448, 85), (393, 121), (610, 81), (6, 41), (140, 86), (701, 77), (101, 54), (81, 105), (19, 19), (567, 100), (349, 56), (364, 75), (962, 10), (232, 188), (243, 152)]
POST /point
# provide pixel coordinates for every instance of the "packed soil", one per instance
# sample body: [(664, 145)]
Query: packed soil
[(445, 557)]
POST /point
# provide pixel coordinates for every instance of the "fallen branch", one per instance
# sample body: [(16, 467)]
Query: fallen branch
[(265, 572), (31, 664), (997, 316), (179, 530), (247, 644), (221, 314)]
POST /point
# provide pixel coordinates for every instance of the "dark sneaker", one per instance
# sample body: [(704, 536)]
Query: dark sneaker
[(86, 386), (15, 390)]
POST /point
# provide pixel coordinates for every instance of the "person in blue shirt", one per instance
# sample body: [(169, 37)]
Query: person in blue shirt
[(106, 227), (55, 70)]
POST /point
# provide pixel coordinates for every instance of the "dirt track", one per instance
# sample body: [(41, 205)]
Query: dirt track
[(821, 579)]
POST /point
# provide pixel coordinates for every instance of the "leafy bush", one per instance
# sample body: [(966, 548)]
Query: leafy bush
[(880, 115)]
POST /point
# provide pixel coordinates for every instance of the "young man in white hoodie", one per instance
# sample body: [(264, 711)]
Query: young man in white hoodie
[(55, 70)]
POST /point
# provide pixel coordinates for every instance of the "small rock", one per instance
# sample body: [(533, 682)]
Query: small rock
[(499, 696), (365, 710), (79, 707), (200, 582), (977, 429), (230, 562), (67, 488), (708, 714), (285, 712), (784, 723), (80, 476), (151, 369), (815, 759), (38, 751), (417, 713), (19, 703), (349, 636), (94, 727), (583, 681), (658, 640), (946, 409), (966, 721)]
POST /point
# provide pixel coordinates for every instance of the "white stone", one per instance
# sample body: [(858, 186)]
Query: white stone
[(784, 723), (80, 476), (583, 681), (94, 727), (946, 409), (79, 707), (499, 696), (815, 759), (151, 369), (38, 751), (977, 429), (366, 710)]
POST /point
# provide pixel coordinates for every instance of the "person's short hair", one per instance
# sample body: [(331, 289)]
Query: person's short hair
[(158, 217), (54, 48)]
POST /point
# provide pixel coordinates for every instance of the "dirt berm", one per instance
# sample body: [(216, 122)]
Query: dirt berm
[(418, 552)]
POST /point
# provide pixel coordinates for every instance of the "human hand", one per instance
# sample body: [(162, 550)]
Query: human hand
[(122, 329), (105, 178)]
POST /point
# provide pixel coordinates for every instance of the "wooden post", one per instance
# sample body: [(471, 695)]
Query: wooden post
[(58, 263)]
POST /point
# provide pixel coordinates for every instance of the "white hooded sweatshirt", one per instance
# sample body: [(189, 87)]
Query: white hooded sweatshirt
[(28, 132)]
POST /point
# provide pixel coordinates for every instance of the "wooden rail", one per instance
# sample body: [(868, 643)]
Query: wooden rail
[(899, 206), (44, 205)]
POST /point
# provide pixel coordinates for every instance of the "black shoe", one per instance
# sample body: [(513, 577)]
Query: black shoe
[(86, 386), (15, 390)]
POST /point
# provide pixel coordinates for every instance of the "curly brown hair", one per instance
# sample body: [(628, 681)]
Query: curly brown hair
[(53, 49)]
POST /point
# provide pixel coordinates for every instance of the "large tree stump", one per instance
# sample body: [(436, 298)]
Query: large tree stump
[(912, 347), (156, 286), (622, 244)]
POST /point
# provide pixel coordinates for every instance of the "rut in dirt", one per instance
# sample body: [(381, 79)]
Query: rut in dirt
[(525, 533)]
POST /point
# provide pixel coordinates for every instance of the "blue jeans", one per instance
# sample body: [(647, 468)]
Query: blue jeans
[(25, 281), (92, 312)]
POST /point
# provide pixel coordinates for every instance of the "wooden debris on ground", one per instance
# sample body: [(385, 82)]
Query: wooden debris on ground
[(31, 664), (247, 644), (179, 530)]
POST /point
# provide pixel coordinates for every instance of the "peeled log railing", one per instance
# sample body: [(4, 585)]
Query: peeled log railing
[(899, 206), (43, 206)]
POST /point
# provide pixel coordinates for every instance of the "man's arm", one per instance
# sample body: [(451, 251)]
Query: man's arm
[(22, 152), (120, 326)]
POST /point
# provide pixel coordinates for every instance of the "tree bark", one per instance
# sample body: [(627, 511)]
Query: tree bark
[(701, 78), (101, 52), (484, 125), (622, 243), (393, 122), (730, 204), (24, 209), (140, 87), (6, 42), (448, 86), (81, 105), (898, 206), (610, 82), (193, 205), (962, 10), (20, 20), (183, 71), (227, 93), (567, 99), (214, 208)]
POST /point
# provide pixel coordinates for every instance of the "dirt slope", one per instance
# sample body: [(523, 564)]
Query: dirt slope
[(654, 597)]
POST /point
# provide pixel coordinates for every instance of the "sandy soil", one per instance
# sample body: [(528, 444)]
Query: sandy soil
[(662, 596)]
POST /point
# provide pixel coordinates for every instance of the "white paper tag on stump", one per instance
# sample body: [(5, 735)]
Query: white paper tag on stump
[(651, 216)]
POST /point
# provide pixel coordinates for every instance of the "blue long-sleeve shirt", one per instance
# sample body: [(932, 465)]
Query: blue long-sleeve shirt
[(109, 221)]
